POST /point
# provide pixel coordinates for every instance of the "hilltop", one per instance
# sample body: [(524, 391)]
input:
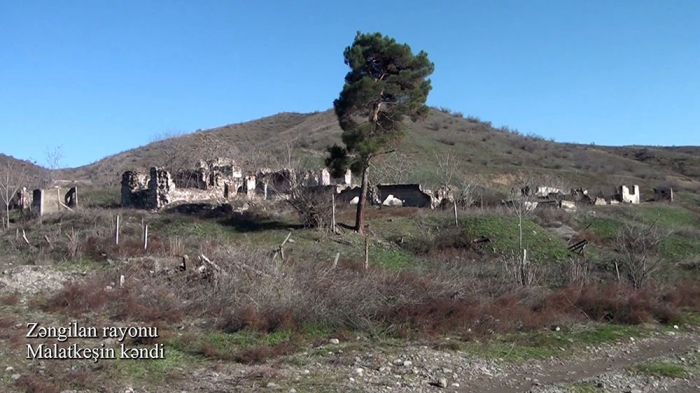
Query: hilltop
[(494, 154)]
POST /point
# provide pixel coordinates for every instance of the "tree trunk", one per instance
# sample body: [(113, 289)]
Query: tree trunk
[(360, 216)]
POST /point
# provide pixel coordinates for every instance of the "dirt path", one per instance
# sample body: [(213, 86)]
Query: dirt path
[(590, 366)]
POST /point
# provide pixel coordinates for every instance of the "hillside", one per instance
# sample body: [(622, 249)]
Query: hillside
[(487, 153), (34, 176)]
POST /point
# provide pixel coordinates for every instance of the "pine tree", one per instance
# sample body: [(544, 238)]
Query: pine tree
[(386, 83)]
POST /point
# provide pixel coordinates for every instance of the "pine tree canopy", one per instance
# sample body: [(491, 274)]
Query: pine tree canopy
[(386, 83)]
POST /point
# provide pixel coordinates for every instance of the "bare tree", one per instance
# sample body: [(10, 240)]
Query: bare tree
[(12, 176), (53, 161), (521, 203), (448, 166), (637, 246), (395, 167), (313, 204), (456, 187)]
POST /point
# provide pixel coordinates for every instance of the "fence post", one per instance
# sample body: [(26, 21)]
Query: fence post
[(333, 217), (145, 237), (116, 232), (335, 262)]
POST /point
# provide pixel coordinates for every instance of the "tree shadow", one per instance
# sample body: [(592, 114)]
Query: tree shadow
[(251, 222), (245, 221), (346, 226)]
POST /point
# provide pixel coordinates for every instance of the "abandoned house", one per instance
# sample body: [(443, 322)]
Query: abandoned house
[(217, 180)]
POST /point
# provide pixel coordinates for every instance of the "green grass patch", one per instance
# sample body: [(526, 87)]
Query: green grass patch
[(661, 369), (605, 228), (692, 318), (79, 264), (392, 258), (156, 371), (225, 344), (503, 231), (185, 227), (677, 246), (545, 344), (663, 214), (101, 197)]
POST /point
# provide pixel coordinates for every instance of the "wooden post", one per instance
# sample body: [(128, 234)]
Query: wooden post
[(145, 237), (523, 268), (335, 262), (281, 249), (454, 203), (333, 216), (116, 232), (671, 194), (366, 252)]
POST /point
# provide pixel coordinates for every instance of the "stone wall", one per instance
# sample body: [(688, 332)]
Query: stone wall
[(134, 190), (157, 189)]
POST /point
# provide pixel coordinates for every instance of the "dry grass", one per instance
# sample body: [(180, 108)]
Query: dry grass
[(451, 299)]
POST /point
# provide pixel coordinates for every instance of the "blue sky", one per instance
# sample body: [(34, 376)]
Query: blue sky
[(98, 77)]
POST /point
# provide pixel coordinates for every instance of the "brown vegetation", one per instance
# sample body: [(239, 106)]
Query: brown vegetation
[(347, 298)]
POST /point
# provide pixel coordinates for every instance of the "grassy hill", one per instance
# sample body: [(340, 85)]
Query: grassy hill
[(35, 175), (491, 154)]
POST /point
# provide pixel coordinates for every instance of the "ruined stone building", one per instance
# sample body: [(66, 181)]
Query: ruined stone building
[(217, 180)]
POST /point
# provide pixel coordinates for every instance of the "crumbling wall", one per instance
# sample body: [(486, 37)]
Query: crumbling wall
[(410, 194), (325, 178), (134, 189), (248, 188), (630, 197), (216, 179), (663, 194), (159, 186), (197, 178), (22, 200)]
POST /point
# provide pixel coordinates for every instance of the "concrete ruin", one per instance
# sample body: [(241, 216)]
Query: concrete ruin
[(629, 197), (409, 194), (53, 200), (406, 195)]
